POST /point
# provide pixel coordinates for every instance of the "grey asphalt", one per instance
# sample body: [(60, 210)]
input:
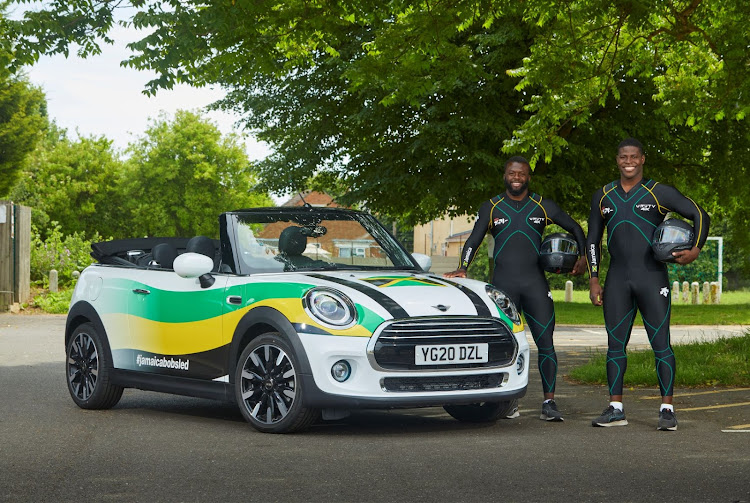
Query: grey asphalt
[(154, 447)]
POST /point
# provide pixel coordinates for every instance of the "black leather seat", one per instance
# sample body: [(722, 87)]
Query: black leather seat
[(204, 246), (163, 255), (292, 244)]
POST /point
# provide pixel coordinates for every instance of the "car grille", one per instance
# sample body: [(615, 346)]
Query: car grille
[(443, 383), (394, 347)]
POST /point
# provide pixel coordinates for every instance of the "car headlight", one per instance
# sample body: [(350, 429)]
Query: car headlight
[(504, 303), (331, 307)]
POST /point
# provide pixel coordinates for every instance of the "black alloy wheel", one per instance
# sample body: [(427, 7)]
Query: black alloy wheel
[(268, 388), (88, 371)]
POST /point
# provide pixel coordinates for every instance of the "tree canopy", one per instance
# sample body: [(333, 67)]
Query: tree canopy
[(412, 107)]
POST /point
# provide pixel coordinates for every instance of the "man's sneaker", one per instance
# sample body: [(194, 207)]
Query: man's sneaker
[(667, 420), (610, 417), (550, 412), (514, 412)]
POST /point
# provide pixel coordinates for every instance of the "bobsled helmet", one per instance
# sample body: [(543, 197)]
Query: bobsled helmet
[(670, 236), (558, 253)]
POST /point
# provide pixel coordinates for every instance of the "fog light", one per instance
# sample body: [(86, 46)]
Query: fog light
[(520, 363), (341, 370)]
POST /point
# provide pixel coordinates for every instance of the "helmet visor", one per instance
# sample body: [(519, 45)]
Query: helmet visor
[(561, 245), (676, 235)]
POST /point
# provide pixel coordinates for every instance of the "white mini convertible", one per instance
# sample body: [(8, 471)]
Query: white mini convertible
[(291, 313)]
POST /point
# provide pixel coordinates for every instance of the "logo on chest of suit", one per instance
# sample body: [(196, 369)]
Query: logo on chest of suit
[(664, 291), (499, 221), (645, 207), (607, 210), (536, 220)]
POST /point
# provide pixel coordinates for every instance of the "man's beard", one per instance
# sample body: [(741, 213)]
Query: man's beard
[(513, 192)]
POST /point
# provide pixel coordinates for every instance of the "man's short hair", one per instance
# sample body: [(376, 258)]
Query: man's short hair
[(630, 142), (516, 158)]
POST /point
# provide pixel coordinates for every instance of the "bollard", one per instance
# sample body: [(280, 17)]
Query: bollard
[(715, 293), (675, 292), (76, 275), (706, 298), (685, 291), (694, 292), (53, 281), (568, 291)]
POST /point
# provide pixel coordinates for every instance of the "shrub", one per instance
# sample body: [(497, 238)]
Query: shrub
[(63, 253), (54, 303)]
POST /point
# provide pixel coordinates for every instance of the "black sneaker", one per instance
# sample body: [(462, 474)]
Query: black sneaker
[(550, 412), (667, 420), (610, 417)]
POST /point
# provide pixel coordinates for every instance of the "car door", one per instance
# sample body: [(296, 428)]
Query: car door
[(175, 325)]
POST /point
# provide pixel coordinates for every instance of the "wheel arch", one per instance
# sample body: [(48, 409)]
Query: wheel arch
[(259, 321), (83, 312)]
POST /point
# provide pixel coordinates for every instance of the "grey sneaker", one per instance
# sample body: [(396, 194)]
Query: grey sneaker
[(667, 420), (610, 417), (550, 412)]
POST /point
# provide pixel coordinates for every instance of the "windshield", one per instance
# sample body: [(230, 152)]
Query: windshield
[(315, 240)]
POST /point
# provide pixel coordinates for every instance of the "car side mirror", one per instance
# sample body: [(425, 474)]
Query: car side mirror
[(424, 261), (193, 265)]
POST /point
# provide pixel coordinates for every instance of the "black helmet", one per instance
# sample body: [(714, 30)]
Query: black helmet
[(558, 253), (670, 236)]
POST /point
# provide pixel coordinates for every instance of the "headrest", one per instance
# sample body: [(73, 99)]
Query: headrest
[(203, 245), (164, 255), (292, 241)]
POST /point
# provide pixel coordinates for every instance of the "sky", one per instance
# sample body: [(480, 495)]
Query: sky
[(96, 96)]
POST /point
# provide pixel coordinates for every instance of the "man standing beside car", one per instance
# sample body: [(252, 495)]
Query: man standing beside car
[(631, 209), (516, 220)]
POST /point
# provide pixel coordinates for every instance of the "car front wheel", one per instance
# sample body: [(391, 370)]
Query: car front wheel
[(88, 370), (268, 387), (482, 412)]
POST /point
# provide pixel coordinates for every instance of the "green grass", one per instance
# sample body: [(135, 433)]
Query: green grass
[(724, 362), (733, 310)]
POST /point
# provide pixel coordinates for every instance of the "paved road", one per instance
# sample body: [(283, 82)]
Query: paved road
[(154, 447)]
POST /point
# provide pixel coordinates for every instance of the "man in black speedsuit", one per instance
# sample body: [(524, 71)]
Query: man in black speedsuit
[(516, 221), (631, 209)]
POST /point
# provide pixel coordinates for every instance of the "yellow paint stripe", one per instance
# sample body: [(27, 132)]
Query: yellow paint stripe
[(204, 335), (739, 427), (722, 406), (713, 392)]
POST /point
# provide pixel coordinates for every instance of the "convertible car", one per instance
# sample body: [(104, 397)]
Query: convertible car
[(291, 313)]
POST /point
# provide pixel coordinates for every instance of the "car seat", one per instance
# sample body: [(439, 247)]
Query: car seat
[(164, 255)]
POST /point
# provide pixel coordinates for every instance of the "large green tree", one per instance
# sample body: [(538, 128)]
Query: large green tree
[(412, 107), (181, 174), (76, 183)]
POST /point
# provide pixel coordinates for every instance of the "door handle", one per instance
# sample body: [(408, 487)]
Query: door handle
[(234, 299), (141, 291)]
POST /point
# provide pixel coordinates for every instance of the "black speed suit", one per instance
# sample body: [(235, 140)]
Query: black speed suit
[(635, 280), (517, 228)]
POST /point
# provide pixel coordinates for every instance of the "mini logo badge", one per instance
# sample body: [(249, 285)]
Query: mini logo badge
[(607, 210), (500, 221), (536, 220), (664, 291), (645, 207), (442, 308)]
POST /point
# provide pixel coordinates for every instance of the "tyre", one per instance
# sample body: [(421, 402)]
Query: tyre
[(268, 388), (483, 412), (89, 370)]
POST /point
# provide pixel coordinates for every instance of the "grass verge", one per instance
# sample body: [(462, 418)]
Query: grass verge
[(723, 362)]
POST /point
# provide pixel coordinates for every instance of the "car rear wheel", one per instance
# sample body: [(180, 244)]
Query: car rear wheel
[(482, 412), (89, 371), (268, 388)]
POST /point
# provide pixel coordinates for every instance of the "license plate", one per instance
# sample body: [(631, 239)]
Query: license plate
[(442, 354)]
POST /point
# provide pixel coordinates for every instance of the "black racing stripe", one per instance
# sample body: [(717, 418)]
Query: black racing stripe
[(393, 308), (479, 305)]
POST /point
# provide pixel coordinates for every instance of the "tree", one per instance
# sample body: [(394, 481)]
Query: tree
[(182, 174), (75, 183), (412, 107), (23, 117)]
